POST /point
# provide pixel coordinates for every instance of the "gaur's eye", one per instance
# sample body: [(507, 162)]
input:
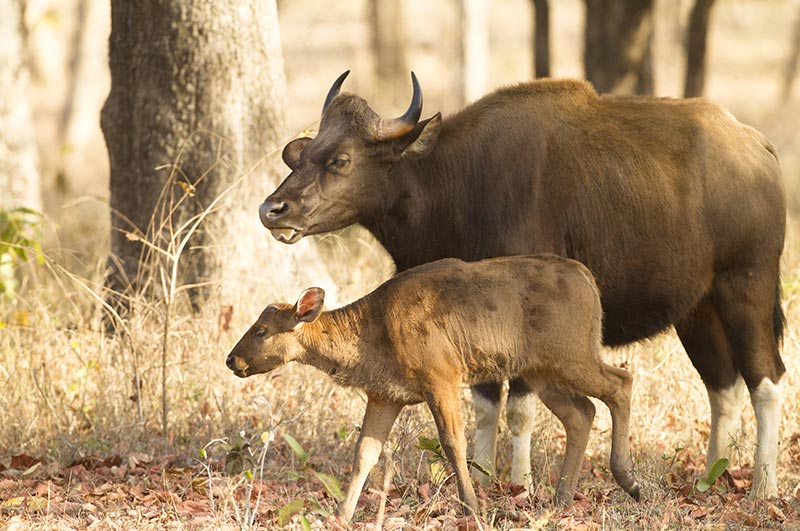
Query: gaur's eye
[(339, 163), (261, 332)]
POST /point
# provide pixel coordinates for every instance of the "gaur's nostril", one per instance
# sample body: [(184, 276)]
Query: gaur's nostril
[(271, 210), (275, 209), (278, 209), (229, 361)]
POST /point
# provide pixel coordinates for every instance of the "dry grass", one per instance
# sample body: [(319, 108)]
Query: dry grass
[(70, 398)]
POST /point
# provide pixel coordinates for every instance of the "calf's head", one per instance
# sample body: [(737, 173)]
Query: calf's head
[(342, 176), (272, 340)]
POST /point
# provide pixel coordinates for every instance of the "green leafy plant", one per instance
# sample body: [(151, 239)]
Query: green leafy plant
[(244, 457), (20, 232), (438, 462), (308, 505), (716, 470)]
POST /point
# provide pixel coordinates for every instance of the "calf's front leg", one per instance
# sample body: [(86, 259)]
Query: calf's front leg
[(378, 420), (445, 406)]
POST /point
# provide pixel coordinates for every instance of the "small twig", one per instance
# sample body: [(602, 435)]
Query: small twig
[(388, 474), (44, 395)]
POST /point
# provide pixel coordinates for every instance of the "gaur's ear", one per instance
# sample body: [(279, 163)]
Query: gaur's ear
[(293, 150), (426, 138), (309, 305)]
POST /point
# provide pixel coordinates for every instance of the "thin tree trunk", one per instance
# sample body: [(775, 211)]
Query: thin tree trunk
[(19, 171), (618, 46), (790, 72), (74, 70), (387, 34), (474, 22), (541, 38), (696, 44)]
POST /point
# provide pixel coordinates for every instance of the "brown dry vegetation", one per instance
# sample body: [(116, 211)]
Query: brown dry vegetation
[(81, 444)]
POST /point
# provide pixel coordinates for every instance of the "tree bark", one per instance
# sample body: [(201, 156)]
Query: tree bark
[(696, 43), (618, 46), (196, 99), (541, 38), (19, 171), (388, 39)]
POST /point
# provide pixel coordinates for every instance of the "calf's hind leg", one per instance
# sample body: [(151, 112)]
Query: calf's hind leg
[(613, 387), (618, 399), (576, 413)]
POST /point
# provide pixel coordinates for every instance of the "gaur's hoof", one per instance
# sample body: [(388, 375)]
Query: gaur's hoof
[(635, 492)]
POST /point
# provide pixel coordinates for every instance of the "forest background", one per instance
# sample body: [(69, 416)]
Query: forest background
[(116, 408)]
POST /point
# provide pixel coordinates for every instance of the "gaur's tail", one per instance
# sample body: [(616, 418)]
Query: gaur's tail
[(778, 317)]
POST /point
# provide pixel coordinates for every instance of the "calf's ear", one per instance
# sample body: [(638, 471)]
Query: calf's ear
[(427, 133), (293, 150), (309, 305)]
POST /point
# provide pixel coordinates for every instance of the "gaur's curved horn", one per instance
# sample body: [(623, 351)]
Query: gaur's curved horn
[(335, 88), (389, 128)]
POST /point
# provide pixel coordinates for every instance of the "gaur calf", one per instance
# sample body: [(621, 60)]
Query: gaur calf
[(431, 329)]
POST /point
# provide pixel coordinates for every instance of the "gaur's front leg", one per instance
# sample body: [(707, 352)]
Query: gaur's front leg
[(378, 420)]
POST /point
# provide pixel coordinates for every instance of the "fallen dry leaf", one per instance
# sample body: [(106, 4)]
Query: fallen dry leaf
[(470, 523), (424, 491), (23, 462), (701, 512), (577, 524), (775, 512)]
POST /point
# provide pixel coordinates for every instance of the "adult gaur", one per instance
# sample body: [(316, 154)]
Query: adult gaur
[(677, 209)]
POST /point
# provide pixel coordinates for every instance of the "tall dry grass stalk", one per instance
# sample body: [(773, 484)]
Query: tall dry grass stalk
[(73, 388)]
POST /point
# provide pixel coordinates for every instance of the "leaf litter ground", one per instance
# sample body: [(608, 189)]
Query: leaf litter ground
[(139, 491)]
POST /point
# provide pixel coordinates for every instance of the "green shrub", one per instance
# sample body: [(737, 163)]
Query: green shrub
[(20, 232)]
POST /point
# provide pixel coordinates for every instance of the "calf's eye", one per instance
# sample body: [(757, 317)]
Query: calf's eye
[(260, 332)]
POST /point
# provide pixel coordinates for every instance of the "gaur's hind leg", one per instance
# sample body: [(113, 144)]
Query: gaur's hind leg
[(576, 413), (705, 341), (748, 304), (486, 403), (520, 414)]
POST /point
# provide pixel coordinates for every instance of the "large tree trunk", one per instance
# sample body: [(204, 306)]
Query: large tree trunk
[(196, 100), (19, 171), (388, 39), (696, 41), (541, 38), (618, 45)]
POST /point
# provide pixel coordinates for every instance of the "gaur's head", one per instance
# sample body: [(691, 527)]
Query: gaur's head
[(272, 340), (342, 176)]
